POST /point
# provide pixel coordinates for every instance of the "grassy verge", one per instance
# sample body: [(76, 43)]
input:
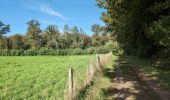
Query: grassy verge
[(161, 76), (101, 82), (41, 77)]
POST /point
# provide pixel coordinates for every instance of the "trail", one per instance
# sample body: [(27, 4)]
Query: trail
[(127, 85), (126, 81), (163, 94)]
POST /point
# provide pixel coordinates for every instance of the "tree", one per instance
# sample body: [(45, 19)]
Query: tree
[(66, 29), (4, 42), (139, 25), (75, 35), (52, 35), (67, 37), (81, 31), (85, 41), (4, 28), (95, 40), (52, 38), (17, 41), (96, 29), (33, 33), (26, 43)]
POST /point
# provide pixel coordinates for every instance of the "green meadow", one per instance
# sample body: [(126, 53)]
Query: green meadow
[(39, 77)]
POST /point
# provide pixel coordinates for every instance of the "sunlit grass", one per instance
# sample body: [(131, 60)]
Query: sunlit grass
[(101, 82), (42, 77)]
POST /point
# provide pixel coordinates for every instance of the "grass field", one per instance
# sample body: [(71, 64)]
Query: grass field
[(41, 77)]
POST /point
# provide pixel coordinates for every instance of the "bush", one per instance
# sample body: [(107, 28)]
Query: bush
[(90, 50), (43, 51), (30, 52), (4, 52), (114, 47), (77, 51), (16, 52), (110, 46), (101, 50)]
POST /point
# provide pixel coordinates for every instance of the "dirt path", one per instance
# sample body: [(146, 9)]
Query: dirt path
[(127, 86), (163, 94), (126, 81)]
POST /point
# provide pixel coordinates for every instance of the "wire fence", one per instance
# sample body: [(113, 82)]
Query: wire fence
[(97, 65)]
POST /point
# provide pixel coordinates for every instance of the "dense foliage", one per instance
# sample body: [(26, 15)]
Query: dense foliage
[(4, 28), (110, 46), (53, 42), (142, 27)]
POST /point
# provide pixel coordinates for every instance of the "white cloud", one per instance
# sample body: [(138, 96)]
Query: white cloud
[(47, 9), (50, 11), (51, 22)]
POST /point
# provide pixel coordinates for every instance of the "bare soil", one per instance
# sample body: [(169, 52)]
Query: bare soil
[(130, 83)]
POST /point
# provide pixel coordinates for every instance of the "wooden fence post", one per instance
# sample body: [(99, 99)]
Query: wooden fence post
[(101, 60), (98, 61), (91, 69), (71, 84)]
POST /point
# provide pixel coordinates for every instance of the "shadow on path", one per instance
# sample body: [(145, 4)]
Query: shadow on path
[(126, 84)]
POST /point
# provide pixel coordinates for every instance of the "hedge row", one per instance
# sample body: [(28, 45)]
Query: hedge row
[(110, 46)]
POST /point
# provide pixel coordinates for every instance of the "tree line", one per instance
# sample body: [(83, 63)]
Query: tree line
[(51, 37), (142, 27), (51, 41)]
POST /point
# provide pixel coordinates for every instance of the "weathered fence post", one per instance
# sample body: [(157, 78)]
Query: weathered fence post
[(91, 70), (71, 84), (90, 73), (101, 60), (97, 62)]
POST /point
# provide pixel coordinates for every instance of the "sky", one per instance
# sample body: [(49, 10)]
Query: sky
[(81, 13)]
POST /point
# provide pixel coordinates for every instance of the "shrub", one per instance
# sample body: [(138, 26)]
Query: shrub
[(4, 52), (43, 51), (30, 52), (113, 46), (77, 51), (110, 46), (90, 50)]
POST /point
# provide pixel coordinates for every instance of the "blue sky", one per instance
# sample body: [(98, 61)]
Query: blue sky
[(82, 13)]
